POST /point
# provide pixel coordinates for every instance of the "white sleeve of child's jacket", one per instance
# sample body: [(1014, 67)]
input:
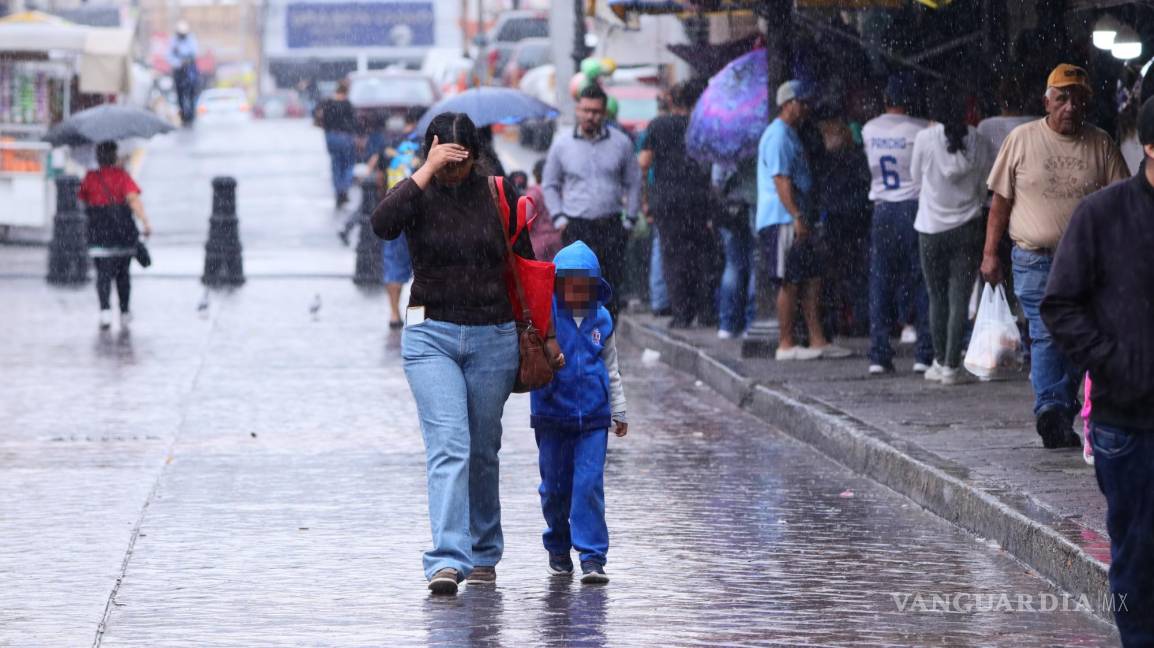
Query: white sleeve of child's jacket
[(616, 389)]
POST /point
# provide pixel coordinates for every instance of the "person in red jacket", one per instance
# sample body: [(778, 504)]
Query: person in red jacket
[(113, 207)]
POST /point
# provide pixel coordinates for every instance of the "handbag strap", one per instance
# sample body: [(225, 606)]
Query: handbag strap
[(104, 187), (497, 191)]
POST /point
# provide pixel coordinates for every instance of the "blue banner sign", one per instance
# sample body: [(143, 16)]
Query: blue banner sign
[(360, 24)]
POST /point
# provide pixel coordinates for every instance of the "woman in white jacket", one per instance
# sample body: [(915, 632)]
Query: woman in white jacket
[(951, 162)]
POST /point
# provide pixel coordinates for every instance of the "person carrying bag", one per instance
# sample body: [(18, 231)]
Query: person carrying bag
[(113, 206)]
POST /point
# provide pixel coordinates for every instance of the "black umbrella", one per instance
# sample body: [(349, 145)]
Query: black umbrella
[(107, 123)]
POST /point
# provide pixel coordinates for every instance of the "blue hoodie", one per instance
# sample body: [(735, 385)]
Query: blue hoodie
[(578, 399)]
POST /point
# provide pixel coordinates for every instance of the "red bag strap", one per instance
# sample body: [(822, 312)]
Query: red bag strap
[(497, 190)]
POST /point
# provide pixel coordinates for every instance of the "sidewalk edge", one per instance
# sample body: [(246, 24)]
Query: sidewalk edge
[(856, 446)]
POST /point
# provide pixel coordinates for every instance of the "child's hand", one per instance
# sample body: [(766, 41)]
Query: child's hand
[(622, 428)]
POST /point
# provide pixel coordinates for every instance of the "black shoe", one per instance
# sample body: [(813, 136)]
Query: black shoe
[(396, 326), (343, 235), (663, 312), (560, 565), (445, 582), (342, 199), (593, 573), (1055, 428)]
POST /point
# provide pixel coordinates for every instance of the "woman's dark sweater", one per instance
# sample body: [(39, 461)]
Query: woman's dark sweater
[(458, 249)]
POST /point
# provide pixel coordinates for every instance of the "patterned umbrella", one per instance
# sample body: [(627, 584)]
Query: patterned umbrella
[(728, 120)]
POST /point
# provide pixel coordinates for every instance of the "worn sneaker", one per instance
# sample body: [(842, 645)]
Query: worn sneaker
[(593, 573), (834, 351), (482, 575), (796, 353), (445, 582), (934, 373), (921, 367), (949, 376), (560, 564), (105, 319), (723, 334), (881, 369)]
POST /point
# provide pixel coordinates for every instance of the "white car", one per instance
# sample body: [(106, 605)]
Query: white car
[(224, 105)]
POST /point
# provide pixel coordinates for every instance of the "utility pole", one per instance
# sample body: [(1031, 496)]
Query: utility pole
[(579, 49)]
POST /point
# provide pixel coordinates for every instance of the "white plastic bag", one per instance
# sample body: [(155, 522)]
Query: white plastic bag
[(996, 342)]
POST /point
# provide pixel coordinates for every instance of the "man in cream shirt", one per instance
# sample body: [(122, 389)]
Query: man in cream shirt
[(1042, 172)]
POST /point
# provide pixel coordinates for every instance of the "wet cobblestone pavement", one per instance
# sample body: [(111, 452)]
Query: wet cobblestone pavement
[(255, 478)]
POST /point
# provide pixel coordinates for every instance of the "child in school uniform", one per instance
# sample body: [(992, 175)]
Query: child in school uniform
[(571, 417)]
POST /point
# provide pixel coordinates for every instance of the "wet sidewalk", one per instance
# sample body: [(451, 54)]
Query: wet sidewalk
[(976, 439), (253, 475)]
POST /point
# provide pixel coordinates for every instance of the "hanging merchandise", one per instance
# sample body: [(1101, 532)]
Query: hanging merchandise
[(31, 93)]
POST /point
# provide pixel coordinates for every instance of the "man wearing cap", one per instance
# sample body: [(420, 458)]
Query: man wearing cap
[(1042, 172), (1099, 306), (182, 59), (788, 251), (896, 281)]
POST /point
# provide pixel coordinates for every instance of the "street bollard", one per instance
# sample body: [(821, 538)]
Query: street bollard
[(370, 268), (68, 251), (223, 265)]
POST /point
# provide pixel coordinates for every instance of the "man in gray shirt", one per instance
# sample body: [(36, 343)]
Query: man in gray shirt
[(591, 176)]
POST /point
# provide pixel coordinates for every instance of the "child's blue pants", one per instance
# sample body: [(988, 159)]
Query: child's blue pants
[(573, 492)]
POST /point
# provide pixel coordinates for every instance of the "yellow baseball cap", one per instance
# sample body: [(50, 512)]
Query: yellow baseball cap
[(1066, 75)]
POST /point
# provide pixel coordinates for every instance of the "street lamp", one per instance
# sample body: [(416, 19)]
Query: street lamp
[(1127, 45), (1105, 31)]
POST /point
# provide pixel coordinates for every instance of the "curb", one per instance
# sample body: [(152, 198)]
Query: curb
[(931, 481)]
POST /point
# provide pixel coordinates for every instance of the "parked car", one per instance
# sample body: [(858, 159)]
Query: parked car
[(223, 104), (528, 54), (280, 104), (636, 105), (381, 98), (495, 48)]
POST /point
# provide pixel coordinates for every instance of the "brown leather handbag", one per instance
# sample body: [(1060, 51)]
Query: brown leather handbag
[(538, 360)]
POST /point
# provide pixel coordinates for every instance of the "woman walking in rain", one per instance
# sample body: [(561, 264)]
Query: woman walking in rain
[(113, 206), (459, 343), (951, 162)]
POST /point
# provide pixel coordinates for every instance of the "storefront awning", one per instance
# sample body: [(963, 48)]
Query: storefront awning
[(104, 55)]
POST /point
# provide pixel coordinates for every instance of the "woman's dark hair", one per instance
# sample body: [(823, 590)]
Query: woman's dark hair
[(453, 128), (947, 107), (539, 170), (106, 154)]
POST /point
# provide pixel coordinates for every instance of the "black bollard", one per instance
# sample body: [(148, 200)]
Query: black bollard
[(68, 251), (370, 269), (223, 265)]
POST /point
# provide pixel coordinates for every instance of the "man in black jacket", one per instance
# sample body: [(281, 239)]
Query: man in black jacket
[(1099, 307)]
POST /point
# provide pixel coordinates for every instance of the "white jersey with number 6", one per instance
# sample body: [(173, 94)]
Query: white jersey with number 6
[(889, 145)]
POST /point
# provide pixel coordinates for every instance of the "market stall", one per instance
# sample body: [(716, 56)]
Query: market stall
[(46, 65)]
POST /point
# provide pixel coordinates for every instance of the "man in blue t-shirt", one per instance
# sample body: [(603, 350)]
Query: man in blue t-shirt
[(784, 227)]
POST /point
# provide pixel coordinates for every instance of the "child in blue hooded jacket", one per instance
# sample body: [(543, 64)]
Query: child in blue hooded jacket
[(571, 417)]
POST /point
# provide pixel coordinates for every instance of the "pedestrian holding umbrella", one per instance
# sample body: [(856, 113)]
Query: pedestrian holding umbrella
[(106, 123), (732, 113), (488, 106)]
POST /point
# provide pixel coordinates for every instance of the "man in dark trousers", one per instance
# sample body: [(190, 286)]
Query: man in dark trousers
[(679, 203), (1099, 308), (591, 176)]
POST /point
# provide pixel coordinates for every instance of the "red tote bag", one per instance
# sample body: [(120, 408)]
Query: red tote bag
[(536, 276)]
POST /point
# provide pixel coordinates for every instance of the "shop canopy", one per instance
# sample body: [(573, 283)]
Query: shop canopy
[(104, 55)]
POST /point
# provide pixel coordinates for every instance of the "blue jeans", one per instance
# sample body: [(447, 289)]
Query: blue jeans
[(573, 492), (461, 377), (342, 156), (658, 291), (737, 306), (1054, 378), (896, 281), (1122, 460)]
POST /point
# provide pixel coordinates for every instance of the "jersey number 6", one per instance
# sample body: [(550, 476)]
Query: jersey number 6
[(890, 177)]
